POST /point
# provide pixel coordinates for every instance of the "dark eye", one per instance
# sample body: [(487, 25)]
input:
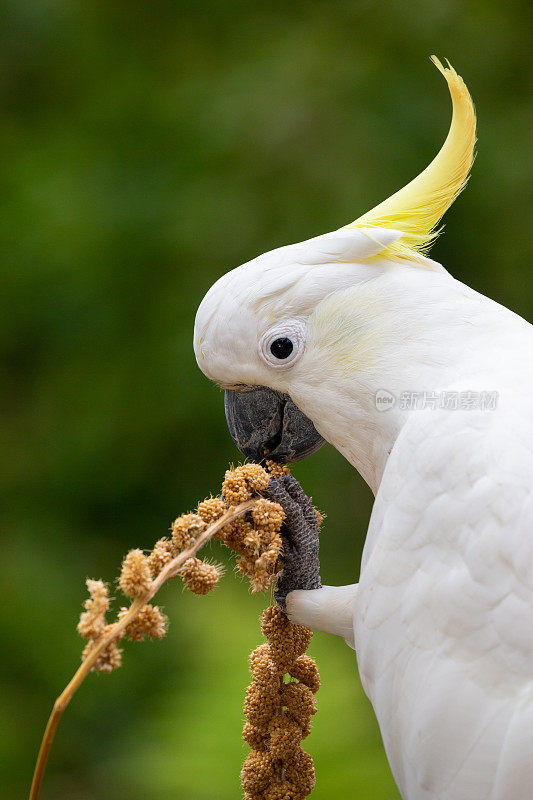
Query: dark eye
[(281, 348)]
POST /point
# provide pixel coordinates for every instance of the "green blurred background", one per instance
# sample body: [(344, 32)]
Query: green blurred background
[(146, 149)]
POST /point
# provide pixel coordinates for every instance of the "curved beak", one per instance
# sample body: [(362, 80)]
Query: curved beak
[(265, 423)]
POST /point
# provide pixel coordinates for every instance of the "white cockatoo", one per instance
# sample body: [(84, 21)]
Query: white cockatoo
[(426, 387)]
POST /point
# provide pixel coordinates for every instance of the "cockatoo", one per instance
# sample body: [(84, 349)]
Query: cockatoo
[(357, 338)]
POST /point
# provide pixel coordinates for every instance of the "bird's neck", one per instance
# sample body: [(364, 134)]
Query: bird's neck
[(407, 341)]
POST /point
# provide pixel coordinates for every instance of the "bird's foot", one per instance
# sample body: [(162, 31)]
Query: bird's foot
[(300, 536)]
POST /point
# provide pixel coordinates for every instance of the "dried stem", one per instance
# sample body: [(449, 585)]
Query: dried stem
[(169, 571)]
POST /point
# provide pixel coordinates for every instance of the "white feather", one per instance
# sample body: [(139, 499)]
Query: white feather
[(443, 613)]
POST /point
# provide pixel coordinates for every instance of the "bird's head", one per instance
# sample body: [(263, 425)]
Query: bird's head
[(260, 335), (274, 330)]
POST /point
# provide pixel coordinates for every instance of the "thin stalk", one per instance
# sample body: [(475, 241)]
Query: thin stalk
[(170, 570)]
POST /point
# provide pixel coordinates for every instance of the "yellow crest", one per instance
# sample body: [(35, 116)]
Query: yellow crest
[(417, 208)]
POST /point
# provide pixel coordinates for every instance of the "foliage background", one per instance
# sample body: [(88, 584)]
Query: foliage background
[(146, 149)]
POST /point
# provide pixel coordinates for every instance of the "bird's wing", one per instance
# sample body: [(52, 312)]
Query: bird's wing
[(444, 617)]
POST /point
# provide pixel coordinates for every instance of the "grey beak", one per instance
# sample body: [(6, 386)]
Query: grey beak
[(265, 423)]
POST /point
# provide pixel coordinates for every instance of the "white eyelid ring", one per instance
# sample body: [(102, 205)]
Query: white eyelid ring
[(282, 336)]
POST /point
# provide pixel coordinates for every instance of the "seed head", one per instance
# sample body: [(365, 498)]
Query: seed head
[(257, 739), (268, 515), (277, 470), (258, 655), (234, 534), (186, 529), (261, 579), (256, 477), (252, 543), (135, 577), (258, 708), (300, 771), (235, 487), (160, 556), (257, 771), (266, 676), (148, 622), (109, 659), (284, 790), (286, 641), (285, 736), (274, 622), (210, 510), (92, 620), (305, 670), (269, 557), (299, 701), (199, 576), (241, 483)]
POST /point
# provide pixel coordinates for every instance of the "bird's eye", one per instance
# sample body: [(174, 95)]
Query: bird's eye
[(281, 348), (283, 344)]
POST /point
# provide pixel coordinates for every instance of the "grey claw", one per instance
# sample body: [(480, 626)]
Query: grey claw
[(300, 536), (306, 504)]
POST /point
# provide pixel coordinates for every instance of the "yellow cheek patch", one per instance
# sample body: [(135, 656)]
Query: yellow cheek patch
[(350, 329)]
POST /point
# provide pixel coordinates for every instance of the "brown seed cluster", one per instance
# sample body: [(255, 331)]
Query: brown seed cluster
[(92, 621), (160, 556), (186, 529), (199, 576), (110, 657), (280, 701), (150, 622), (211, 509), (278, 712), (135, 577), (257, 540), (277, 470), (241, 483), (93, 626), (254, 537)]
